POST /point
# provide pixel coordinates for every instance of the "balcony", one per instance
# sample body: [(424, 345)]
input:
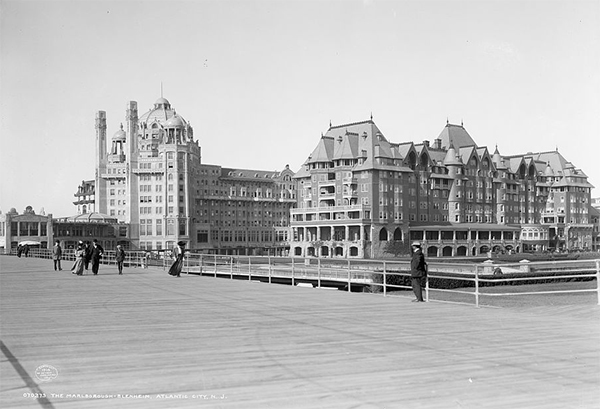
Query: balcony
[(338, 214)]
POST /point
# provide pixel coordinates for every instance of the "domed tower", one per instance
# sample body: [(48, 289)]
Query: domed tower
[(175, 130), (117, 151)]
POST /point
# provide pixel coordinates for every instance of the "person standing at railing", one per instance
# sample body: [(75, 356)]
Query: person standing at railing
[(120, 258), (97, 252), (418, 271), (26, 250), (177, 265), (57, 255)]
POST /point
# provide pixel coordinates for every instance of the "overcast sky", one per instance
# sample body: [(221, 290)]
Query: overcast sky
[(261, 80)]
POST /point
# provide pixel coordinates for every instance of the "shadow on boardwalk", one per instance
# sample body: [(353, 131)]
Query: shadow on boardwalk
[(147, 340)]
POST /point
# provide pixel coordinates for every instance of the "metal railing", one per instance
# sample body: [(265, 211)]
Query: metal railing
[(360, 274), (377, 276)]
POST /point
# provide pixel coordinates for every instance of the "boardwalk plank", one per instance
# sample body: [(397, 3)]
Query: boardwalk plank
[(274, 346)]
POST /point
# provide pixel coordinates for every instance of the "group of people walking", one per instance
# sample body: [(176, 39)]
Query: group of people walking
[(84, 254), (24, 250)]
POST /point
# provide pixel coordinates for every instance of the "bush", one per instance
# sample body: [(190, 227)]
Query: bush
[(447, 281)]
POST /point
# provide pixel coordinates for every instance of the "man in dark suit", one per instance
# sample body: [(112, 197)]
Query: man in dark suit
[(418, 271), (97, 252), (57, 255)]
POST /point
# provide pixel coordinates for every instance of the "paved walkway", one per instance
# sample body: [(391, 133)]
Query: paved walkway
[(147, 340)]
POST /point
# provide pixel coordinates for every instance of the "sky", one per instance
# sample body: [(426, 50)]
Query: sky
[(260, 81)]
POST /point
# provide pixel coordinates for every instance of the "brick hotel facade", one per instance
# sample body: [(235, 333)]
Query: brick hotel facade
[(358, 192), (356, 195)]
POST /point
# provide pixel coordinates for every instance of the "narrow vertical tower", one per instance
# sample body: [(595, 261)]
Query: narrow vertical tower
[(132, 209), (100, 199)]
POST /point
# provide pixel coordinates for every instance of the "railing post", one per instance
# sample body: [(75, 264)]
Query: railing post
[(477, 286), (319, 272), (231, 267), (293, 266), (349, 278), (269, 258), (598, 280), (215, 266), (427, 284), (249, 269), (293, 277), (384, 279)]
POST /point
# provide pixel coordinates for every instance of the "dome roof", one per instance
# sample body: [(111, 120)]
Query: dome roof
[(161, 113), (120, 135), (92, 218), (162, 101), (174, 122)]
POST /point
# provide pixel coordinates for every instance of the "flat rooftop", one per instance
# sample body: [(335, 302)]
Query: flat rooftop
[(148, 340)]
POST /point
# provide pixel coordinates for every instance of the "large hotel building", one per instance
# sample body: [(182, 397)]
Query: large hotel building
[(360, 195), (357, 195), (150, 176)]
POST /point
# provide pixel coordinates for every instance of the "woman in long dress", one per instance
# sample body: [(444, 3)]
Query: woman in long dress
[(177, 265), (79, 255)]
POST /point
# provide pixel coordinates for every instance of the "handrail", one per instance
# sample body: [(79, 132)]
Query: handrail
[(360, 273)]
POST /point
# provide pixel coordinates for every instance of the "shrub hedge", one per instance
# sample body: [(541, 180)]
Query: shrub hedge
[(448, 281)]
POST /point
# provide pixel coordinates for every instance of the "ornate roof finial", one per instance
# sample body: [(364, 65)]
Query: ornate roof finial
[(371, 115), (447, 121), (330, 123), (461, 123)]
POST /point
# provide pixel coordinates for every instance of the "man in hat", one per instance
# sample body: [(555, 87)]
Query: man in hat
[(120, 258), (97, 252), (418, 271), (57, 255)]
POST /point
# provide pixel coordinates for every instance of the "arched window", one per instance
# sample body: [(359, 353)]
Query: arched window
[(383, 234), (412, 160)]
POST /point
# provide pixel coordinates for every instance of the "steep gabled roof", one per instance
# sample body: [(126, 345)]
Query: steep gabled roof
[(323, 152), (346, 148), (455, 135)]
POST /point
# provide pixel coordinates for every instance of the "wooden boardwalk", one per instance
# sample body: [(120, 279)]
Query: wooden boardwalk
[(147, 340)]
